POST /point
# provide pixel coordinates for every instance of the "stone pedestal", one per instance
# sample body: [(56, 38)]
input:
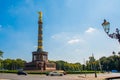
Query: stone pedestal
[(40, 62)]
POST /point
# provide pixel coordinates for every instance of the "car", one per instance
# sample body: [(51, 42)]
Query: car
[(113, 78), (62, 71), (54, 73), (21, 73), (114, 71)]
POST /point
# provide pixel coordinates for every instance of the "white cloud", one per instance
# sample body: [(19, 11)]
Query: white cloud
[(73, 41), (90, 30), (68, 38)]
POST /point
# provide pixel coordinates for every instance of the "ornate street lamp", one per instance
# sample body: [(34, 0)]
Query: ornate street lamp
[(106, 27)]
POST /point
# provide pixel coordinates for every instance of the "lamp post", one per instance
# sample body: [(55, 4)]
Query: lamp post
[(106, 27), (95, 69)]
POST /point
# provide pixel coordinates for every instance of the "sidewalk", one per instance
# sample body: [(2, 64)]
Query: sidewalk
[(100, 76)]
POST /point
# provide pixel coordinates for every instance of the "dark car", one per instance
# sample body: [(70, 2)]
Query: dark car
[(21, 73)]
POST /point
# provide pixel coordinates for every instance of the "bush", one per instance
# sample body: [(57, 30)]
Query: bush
[(36, 72), (81, 72), (8, 71)]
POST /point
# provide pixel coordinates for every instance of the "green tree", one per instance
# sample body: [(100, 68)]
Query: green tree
[(7, 64), (12, 64), (1, 61), (62, 65), (1, 54), (119, 53), (110, 63), (92, 61), (104, 62), (20, 63)]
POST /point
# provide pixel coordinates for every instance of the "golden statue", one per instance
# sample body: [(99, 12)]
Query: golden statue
[(40, 16)]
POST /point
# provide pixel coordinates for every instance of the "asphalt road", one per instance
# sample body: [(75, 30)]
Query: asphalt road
[(4, 76)]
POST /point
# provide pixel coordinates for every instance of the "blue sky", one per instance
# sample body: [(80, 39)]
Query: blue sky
[(72, 29)]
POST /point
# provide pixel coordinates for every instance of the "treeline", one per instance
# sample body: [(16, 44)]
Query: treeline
[(110, 63), (12, 64), (62, 65), (103, 64)]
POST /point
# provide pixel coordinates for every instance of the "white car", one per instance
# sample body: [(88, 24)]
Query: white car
[(55, 73)]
